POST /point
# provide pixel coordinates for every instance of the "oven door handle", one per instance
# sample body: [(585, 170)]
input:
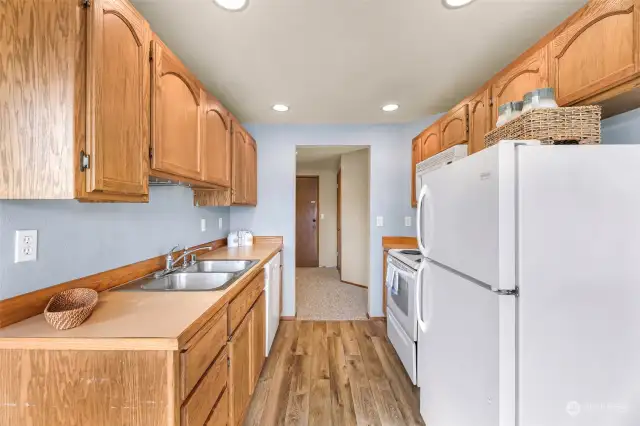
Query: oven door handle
[(421, 323)]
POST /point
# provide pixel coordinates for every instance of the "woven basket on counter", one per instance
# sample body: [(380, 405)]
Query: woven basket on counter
[(70, 308), (569, 125)]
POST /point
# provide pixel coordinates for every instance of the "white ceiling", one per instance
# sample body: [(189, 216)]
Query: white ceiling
[(339, 61)]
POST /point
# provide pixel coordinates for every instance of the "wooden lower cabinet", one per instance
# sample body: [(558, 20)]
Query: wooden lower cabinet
[(258, 338), (240, 383)]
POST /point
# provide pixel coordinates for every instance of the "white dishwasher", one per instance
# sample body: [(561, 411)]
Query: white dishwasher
[(272, 288)]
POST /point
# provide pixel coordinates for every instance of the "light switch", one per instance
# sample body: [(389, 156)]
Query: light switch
[(379, 221), (321, 216), (26, 249), (203, 225), (407, 221)]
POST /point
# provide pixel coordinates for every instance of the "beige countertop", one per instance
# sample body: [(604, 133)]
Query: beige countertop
[(132, 320)]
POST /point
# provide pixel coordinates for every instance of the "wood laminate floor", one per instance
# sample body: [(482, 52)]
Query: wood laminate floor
[(336, 373)]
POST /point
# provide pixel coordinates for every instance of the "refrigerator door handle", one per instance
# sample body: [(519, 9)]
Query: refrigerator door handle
[(421, 323), (425, 193), (515, 292)]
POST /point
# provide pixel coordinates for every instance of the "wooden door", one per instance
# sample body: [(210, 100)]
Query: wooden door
[(598, 51), (454, 128), (526, 75), (479, 121), (307, 188), (251, 171), (339, 219), (430, 142), (238, 179), (118, 99), (258, 339), (176, 115), (240, 379), (416, 157), (216, 146)]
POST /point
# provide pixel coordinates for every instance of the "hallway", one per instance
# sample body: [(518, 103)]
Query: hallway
[(321, 296), (333, 373)]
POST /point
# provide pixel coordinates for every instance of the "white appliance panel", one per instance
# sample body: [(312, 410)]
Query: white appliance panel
[(272, 295), (403, 304), (579, 271), (467, 215), (404, 345), (466, 357)]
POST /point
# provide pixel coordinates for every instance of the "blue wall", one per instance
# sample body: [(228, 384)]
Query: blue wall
[(389, 188), (79, 239), (622, 129)]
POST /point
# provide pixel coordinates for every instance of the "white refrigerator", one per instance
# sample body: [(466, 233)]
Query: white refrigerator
[(529, 296)]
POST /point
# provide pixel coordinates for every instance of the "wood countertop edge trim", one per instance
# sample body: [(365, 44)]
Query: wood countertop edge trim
[(227, 297), (399, 242), (30, 304)]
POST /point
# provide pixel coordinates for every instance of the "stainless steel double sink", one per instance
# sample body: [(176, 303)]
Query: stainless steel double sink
[(205, 275)]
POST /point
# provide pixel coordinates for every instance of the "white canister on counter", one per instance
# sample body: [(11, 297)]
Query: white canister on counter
[(233, 240)]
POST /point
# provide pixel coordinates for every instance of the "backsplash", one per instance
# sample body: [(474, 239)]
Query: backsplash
[(79, 239)]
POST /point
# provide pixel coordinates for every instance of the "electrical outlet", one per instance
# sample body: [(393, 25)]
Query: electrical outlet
[(407, 221), (26, 249), (203, 225), (379, 221), (321, 216), (219, 223)]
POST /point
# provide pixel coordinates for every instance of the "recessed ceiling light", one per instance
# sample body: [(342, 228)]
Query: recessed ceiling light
[(280, 108), (455, 4), (233, 5), (390, 107)]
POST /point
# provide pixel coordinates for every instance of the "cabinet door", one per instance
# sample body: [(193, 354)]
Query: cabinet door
[(527, 75), (216, 146), (258, 339), (238, 180), (416, 145), (176, 113), (479, 121), (251, 171), (430, 142), (117, 99), (240, 380), (454, 128), (597, 52)]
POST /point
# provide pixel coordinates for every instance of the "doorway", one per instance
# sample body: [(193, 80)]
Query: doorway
[(332, 232), (307, 197)]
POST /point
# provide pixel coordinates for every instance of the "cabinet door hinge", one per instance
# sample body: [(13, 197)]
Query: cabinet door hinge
[(150, 55), (228, 362), (84, 161), (490, 102), (150, 153), (86, 3)]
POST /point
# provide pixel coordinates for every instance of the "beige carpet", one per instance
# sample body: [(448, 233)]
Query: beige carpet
[(321, 296)]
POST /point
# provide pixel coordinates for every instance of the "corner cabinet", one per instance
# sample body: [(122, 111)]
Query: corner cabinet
[(176, 136), (524, 76), (600, 50), (416, 157)]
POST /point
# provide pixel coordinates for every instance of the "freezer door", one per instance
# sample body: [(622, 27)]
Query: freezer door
[(579, 273), (466, 356), (467, 215)]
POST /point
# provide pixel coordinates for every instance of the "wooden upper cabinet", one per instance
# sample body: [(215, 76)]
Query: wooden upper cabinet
[(239, 153), (596, 52), (251, 171), (526, 75), (454, 128), (118, 99), (430, 142), (216, 149), (175, 116), (479, 121), (416, 145)]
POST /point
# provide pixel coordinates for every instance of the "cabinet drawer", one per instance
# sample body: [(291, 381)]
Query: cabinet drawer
[(197, 408), (239, 306), (220, 415), (201, 350)]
